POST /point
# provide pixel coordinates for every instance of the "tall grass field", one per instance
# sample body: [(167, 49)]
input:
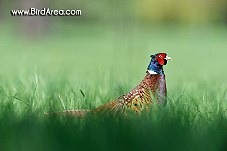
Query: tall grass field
[(91, 65)]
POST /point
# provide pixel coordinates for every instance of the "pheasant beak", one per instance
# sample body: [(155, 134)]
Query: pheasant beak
[(168, 58)]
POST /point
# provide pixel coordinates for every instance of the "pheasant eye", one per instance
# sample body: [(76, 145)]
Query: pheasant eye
[(160, 56)]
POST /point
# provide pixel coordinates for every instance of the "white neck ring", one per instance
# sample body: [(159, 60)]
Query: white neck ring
[(152, 72)]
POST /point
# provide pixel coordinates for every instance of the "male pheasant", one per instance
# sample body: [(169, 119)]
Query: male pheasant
[(150, 90)]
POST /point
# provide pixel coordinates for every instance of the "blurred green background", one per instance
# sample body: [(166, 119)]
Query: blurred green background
[(46, 61), (117, 34)]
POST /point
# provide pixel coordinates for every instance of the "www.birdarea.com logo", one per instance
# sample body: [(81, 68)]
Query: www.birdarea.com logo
[(46, 12)]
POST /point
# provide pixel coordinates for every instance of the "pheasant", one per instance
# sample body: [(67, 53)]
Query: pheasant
[(150, 90)]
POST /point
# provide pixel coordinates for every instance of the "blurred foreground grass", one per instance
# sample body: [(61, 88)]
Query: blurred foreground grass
[(39, 75)]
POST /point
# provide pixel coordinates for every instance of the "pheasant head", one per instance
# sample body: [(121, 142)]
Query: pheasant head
[(157, 62)]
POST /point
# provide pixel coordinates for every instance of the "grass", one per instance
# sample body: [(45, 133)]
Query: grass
[(42, 76)]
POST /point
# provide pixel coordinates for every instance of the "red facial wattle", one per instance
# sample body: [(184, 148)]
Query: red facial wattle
[(161, 59)]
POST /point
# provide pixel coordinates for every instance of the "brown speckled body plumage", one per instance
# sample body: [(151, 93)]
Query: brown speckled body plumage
[(152, 89)]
